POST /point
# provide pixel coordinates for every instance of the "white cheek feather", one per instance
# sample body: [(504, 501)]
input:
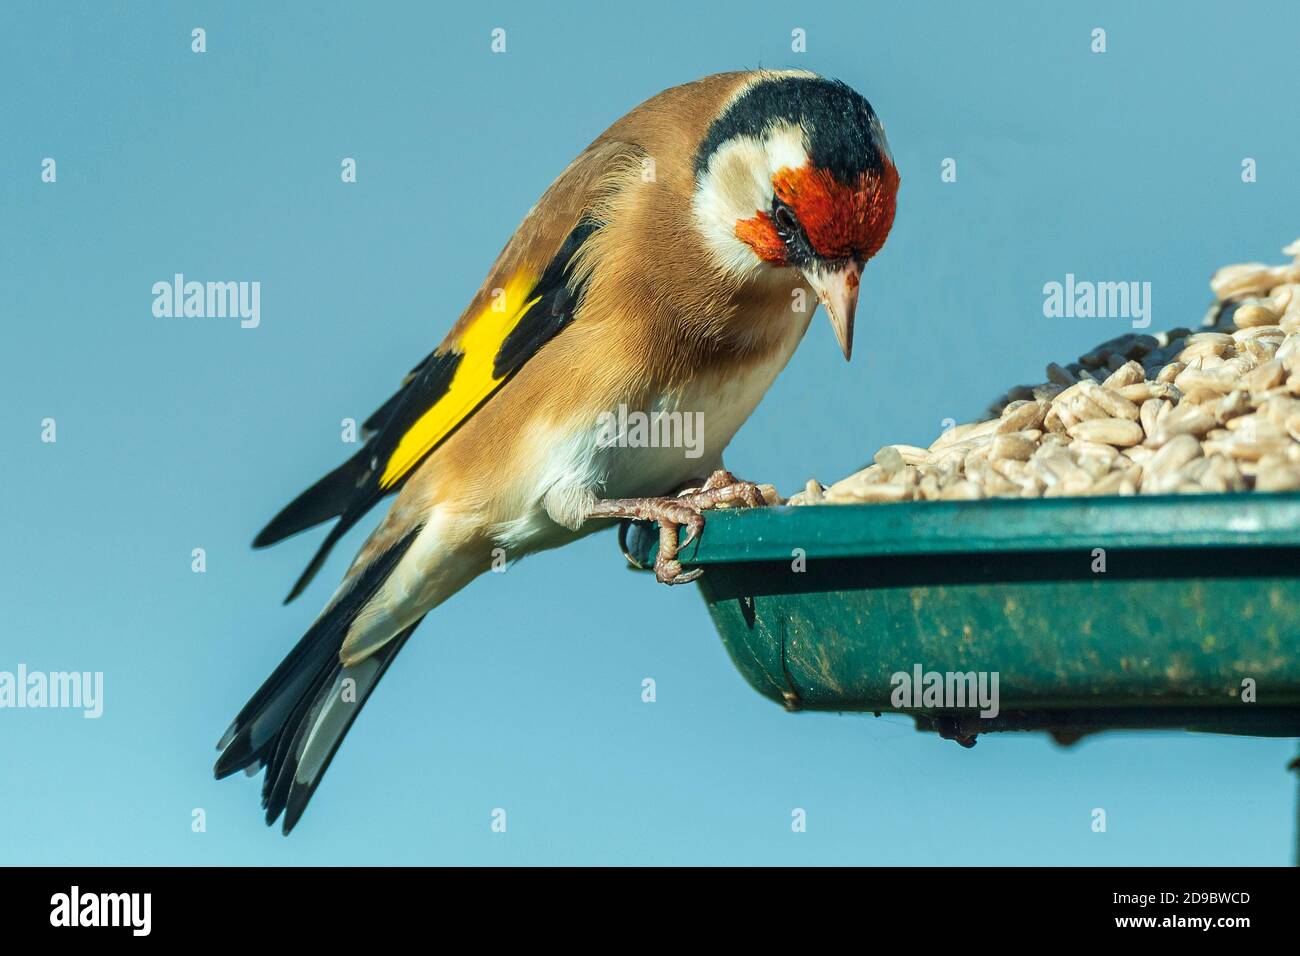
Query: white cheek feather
[(785, 150), (737, 185)]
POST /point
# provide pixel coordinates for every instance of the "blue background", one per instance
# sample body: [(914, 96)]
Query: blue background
[(523, 692)]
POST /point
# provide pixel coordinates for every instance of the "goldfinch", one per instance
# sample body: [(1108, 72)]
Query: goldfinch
[(659, 273)]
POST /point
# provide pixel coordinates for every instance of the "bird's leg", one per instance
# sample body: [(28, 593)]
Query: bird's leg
[(670, 514), (722, 490)]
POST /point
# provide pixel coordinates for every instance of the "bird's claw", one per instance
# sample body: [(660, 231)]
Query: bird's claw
[(670, 572), (695, 526), (722, 490)]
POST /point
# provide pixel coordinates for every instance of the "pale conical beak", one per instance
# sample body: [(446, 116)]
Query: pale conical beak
[(837, 289)]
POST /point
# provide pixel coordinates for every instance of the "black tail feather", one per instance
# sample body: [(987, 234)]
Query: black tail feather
[(279, 773), (291, 715), (305, 782)]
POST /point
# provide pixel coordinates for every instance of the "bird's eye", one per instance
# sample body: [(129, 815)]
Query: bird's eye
[(798, 248), (783, 215)]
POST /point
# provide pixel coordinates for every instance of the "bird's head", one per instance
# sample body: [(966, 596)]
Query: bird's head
[(795, 173)]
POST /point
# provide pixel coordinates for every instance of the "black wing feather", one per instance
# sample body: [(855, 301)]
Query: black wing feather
[(553, 310), (353, 488)]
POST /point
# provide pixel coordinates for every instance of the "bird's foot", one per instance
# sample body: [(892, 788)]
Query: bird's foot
[(725, 490), (721, 490)]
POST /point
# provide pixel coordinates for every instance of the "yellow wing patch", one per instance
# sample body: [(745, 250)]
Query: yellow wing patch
[(473, 380)]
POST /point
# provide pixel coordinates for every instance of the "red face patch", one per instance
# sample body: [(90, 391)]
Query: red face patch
[(760, 235), (842, 221)]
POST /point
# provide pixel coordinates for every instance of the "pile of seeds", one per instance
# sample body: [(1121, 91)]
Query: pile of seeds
[(1181, 412)]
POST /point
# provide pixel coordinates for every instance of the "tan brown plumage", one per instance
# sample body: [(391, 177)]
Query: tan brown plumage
[(632, 283)]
